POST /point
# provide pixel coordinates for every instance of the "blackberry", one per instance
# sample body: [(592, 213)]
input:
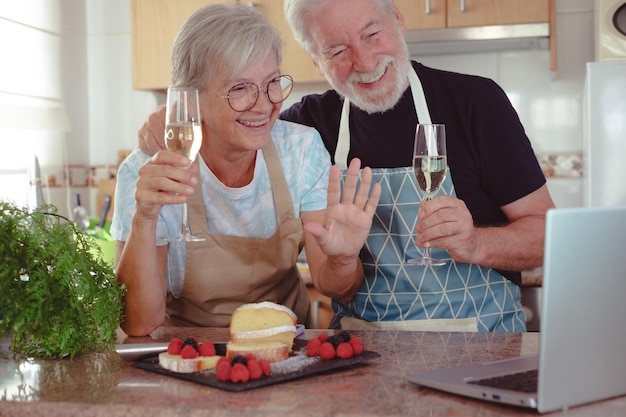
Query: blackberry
[(190, 341), (239, 359), (341, 337)]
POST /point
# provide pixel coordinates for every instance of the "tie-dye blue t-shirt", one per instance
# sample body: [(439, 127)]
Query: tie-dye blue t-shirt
[(246, 211)]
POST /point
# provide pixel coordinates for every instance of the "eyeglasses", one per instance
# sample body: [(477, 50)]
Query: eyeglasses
[(244, 96)]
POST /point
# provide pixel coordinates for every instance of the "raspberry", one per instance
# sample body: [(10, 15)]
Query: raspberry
[(249, 356), (254, 367), (206, 349), (322, 337), (265, 366), (188, 352), (344, 350), (313, 347), (223, 369), (239, 373), (357, 345), (223, 359), (175, 346), (327, 350)]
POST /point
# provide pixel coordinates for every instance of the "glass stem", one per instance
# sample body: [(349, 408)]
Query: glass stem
[(183, 229), (427, 248)]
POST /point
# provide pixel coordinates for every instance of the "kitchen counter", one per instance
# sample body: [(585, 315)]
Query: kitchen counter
[(102, 384)]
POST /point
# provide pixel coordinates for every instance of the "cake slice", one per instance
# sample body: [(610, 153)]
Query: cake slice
[(187, 356), (260, 323), (270, 351), (176, 363)]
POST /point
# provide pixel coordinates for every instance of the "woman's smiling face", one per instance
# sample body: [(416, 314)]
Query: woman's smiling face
[(228, 130)]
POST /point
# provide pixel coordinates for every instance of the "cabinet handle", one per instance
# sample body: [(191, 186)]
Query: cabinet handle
[(462, 6), (427, 6)]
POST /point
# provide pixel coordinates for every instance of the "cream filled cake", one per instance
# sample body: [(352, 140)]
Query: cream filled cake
[(265, 329)]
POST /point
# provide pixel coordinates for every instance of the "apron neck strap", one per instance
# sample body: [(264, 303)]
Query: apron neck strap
[(343, 138)]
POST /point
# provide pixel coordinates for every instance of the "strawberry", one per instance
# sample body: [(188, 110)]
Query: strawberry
[(357, 345), (327, 350), (206, 349), (239, 373), (265, 366), (254, 367), (223, 369), (313, 347), (188, 352), (322, 337), (344, 350), (175, 346)]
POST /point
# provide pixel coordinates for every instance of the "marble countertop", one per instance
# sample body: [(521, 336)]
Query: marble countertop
[(103, 384)]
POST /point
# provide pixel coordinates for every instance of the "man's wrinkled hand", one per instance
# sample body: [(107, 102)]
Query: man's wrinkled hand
[(445, 222)]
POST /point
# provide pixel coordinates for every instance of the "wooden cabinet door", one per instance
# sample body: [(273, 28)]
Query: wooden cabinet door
[(296, 61), (156, 22), (463, 13), (154, 27), (423, 14)]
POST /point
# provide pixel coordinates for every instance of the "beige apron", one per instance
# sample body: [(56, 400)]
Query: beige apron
[(224, 271)]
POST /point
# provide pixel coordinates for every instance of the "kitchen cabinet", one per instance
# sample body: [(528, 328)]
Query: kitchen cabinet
[(437, 14), (156, 22), (154, 26), (449, 15), (296, 61)]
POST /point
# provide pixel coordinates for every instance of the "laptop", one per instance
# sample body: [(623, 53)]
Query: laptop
[(582, 349)]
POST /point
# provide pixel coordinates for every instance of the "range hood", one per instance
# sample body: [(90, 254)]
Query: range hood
[(478, 39)]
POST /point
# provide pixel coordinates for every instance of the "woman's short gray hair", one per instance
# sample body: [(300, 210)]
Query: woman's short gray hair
[(221, 39), (298, 11)]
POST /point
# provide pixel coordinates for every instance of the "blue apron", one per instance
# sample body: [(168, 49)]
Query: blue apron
[(398, 296)]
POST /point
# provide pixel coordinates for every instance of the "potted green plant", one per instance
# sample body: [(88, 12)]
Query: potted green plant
[(59, 297)]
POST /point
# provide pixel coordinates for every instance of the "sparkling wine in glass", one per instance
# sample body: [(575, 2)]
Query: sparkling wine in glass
[(430, 164), (183, 135)]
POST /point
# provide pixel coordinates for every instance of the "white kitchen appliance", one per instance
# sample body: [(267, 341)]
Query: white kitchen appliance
[(610, 30), (604, 134)]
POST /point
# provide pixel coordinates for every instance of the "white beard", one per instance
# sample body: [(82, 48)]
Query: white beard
[(385, 97)]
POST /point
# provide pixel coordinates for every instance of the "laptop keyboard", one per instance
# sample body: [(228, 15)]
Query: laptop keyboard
[(520, 381)]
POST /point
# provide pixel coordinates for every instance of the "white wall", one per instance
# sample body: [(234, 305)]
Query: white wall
[(106, 112), (32, 117)]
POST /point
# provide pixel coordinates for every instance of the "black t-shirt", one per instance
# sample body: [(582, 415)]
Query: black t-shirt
[(490, 158)]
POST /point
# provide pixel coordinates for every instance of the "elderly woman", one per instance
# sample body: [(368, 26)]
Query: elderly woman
[(260, 190)]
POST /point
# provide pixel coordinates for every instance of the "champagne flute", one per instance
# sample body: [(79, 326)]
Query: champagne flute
[(430, 164), (183, 135)]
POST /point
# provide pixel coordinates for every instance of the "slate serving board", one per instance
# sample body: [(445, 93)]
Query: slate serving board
[(208, 377)]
